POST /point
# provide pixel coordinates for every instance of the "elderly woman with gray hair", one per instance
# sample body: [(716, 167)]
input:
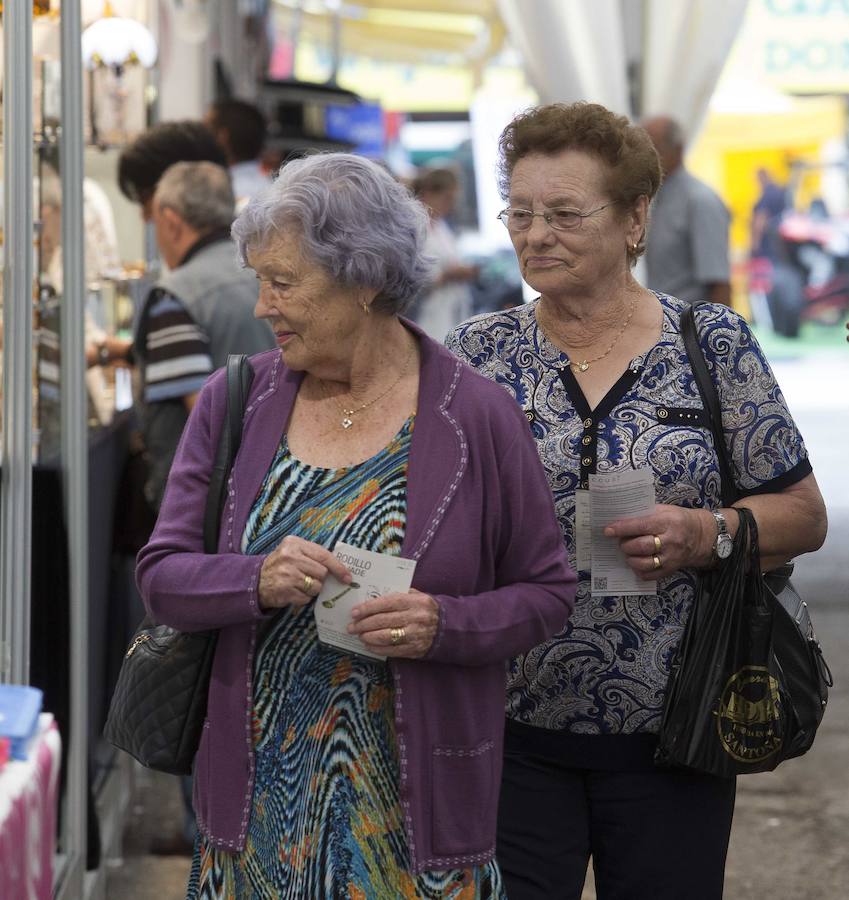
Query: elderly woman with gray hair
[(323, 773)]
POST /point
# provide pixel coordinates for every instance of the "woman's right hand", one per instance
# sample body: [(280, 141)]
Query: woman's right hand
[(294, 572)]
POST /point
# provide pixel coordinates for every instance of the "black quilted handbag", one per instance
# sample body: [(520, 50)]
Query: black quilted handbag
[(159, 703), (749, 685)]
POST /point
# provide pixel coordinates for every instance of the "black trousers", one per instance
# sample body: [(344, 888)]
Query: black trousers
[(652, 835)]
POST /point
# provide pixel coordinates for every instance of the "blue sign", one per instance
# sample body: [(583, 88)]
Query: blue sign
[(360, 124)]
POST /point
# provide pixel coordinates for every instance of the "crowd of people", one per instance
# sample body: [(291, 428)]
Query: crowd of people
[(382, 416)]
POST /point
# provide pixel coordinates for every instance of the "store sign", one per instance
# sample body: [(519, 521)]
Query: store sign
[(800, 46), (360, 124)]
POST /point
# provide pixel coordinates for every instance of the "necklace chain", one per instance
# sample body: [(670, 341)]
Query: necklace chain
[(585, 364), (347, 414)]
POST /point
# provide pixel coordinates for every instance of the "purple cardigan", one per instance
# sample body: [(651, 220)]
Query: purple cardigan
[(480, 522)]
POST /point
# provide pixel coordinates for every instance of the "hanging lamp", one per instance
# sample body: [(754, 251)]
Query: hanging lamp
[(115, 41)]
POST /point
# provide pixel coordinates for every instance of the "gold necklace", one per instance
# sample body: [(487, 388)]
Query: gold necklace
[(583, 366), (347, 420)]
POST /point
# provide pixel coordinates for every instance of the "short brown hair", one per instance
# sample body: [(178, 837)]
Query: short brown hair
[(626, 150)]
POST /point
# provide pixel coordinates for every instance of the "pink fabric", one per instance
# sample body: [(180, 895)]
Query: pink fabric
[(28, 807)]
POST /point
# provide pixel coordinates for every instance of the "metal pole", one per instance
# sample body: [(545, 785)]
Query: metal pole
[(74, 418), (335, 42), (16, 501)]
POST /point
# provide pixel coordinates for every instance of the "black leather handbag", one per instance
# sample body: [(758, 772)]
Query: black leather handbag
[(749, 684), (159, 703)]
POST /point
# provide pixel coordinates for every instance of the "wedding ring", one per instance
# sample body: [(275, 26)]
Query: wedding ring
[(656, 561), (308, 581), (396, 636), (656, 543)]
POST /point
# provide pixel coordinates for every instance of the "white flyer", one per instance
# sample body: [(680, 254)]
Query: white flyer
[(618, 495), (374, 575), (583, 533)]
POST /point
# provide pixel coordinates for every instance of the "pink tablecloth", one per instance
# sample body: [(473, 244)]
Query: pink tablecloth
[(28, 804)]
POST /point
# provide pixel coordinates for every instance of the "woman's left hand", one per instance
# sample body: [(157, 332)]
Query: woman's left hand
[(400, 625), (673, 536)]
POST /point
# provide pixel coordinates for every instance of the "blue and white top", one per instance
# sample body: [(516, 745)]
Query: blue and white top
[(606, 672)]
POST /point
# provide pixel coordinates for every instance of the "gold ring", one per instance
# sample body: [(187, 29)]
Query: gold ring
[(308, 580), (396, 636), (656, 560), (656, 543)]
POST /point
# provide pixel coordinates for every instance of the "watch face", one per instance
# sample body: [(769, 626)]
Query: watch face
[(724, 546)]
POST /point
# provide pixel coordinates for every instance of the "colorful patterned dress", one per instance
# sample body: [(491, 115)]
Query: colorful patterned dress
[(326, 819)]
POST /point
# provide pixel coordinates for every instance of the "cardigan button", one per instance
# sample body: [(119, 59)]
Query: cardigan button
[(586, 440), (587, 422), (587, 461), (662, 413)]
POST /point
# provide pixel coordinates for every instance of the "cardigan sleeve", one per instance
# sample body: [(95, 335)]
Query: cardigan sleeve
[(535, 586), (180, 585)]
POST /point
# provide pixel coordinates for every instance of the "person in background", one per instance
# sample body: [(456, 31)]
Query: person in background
[(240, 129), (766, 217), (599, 367), (140, 167), (448, 300), (199, 311), (687, 252), (142, 163), (355, 778)]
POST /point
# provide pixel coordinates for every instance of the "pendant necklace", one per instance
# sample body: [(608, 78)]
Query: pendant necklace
[(347, 414), (585, 364)]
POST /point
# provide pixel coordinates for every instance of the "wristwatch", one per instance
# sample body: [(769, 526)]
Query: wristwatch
[(724, 544)]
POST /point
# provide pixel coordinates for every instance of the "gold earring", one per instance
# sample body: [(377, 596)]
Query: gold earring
[(366, 307)]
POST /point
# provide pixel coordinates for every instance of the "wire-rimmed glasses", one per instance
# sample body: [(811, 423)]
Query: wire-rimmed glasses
[(561, 218)]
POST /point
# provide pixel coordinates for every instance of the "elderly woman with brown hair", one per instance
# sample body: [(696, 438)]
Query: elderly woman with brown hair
[(323, 773), (599, 367)]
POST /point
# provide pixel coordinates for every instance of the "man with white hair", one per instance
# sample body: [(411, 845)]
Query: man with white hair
[(687, 249), (198, 312)]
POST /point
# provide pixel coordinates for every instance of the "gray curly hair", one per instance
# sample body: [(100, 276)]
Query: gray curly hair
[(354, 219)]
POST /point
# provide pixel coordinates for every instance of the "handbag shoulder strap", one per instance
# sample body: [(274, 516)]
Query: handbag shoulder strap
[(240, 375), (710, 398)]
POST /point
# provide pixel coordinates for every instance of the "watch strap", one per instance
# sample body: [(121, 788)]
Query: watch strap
[(721, 524), (722, 537)]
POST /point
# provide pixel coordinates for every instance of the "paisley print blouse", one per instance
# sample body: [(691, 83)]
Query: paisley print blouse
[(606, 673)]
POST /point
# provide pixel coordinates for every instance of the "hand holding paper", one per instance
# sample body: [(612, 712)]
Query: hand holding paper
[(417, 614), (686, 537), (295, 571), (367, 598)]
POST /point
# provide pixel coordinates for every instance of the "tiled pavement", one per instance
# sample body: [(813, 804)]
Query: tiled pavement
[(137, 875)]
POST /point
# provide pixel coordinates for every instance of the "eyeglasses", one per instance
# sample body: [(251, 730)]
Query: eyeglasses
[(560, 219)]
